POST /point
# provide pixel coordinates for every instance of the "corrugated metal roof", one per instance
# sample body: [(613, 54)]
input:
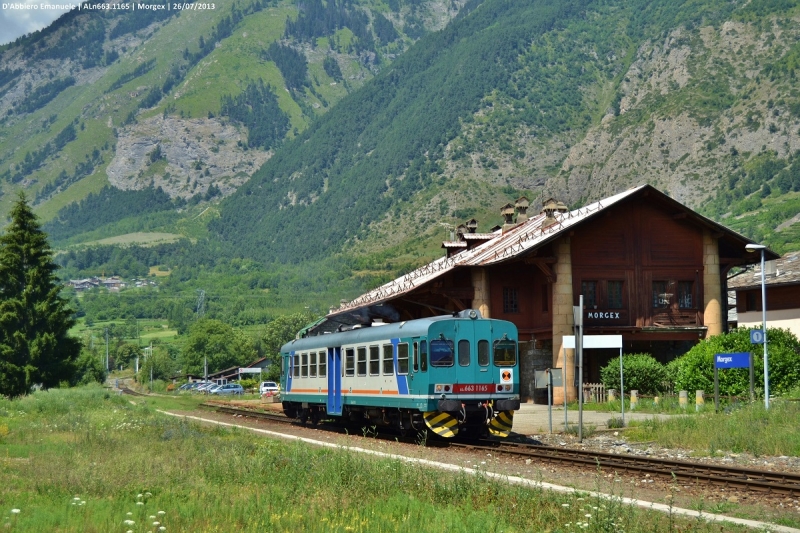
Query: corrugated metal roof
[(502, 246)]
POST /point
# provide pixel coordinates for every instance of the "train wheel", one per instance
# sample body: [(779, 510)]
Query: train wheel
[(304, 416), (315, 417)]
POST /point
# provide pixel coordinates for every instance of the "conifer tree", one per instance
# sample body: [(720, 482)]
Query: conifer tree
[(34, 319)]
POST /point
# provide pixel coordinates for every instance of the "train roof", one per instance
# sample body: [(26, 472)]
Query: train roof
[(410, 328)]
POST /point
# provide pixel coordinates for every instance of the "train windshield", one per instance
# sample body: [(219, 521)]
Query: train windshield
[(442, 352), (505, 352)]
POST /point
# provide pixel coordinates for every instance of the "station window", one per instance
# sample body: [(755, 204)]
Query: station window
[(374, 361), (312, 365), (614, 289), (304, 365), (463, 352), (661, 298), (751, 302), (349, 362), (483, 352), (510, 300), (388, 360), (589, 292), (423, 356), (323, 364), (361, 361), (296, 365), (402, 358), (685, 295), (442, 352)]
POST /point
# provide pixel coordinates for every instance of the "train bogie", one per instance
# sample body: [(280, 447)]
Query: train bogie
[(450, 374)]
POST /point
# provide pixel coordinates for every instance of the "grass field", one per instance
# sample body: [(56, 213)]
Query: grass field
[(88, 460)]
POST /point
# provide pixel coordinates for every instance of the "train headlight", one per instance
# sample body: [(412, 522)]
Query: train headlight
[(443, 387)]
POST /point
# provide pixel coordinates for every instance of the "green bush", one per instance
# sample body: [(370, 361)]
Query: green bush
[(695, 370), (641, 372)]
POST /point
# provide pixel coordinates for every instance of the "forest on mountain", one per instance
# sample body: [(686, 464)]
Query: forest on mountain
[(342, 139)]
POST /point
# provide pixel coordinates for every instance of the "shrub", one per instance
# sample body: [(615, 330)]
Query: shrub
[(641, 372), (695, 370)]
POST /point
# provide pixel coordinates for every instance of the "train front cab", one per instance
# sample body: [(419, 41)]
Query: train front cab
[(471, 370)]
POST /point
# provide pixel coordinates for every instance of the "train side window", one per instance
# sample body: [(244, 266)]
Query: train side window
[(312, 365), (374, 361), (361, 361), (323, 364), (304, 365), (423, 356), (415, 355), (402, 358), (505, 352), (296, 365), (349, 362), (483, 352), (283, 367), (388, 360), (463, 352)]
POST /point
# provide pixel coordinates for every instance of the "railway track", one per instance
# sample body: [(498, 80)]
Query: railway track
[(762, 481)]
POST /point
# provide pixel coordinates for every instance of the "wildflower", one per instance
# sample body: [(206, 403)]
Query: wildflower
[(129, 522), (77, 499), (129, 513), (587, 515), (140, 496), (156, 523), (564, 505), (15, 511), (162, 528), (147, 494), (139, 503), (152, 517)]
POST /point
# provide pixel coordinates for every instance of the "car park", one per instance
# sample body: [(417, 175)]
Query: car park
[(228, 388), (268, 387)]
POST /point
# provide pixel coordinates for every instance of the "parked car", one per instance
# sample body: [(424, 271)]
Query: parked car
[(269, 387), (205, 387), (228, 388)]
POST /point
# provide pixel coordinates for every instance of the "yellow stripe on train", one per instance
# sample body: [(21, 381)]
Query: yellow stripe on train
[(443, 424), (501, 424)]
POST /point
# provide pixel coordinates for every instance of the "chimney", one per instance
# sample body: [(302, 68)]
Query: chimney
[(507, 211), (471, 225), (522, 209), (549, 209)]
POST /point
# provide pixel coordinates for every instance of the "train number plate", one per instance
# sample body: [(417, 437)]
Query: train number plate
[(472, 388)]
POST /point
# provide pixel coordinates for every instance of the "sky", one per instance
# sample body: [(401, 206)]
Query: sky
[(15, 21)]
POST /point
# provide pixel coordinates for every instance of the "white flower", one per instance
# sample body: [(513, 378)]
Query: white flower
[(15, 511), (162, 528), (564, 505), (152, 517), (139, 503), (162, 513), (140, 496), (129, 514), (76, 499), (156, 523), (129, 522)]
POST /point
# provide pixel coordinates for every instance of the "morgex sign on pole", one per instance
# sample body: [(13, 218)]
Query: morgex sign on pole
[(731, 360)]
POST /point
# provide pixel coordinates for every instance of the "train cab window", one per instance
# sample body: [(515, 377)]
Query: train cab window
[(402, 358), (463, 352), (388, 360), (323, 360), (442, 352), (296, 365), (374, 361), (361, 361), (483, 352), (423, 356), (304, 365), (505, 352), (312, 365), (349, 362)]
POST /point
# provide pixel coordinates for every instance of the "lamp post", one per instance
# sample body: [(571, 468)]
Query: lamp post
[(753, 248)]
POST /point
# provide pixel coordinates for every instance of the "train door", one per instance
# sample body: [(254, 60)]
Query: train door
[(467, 370), (334, 406)]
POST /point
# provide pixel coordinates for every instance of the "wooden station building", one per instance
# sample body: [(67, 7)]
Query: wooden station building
[(649, 268)]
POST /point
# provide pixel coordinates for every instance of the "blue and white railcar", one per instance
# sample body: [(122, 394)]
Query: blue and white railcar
[(454, 373)]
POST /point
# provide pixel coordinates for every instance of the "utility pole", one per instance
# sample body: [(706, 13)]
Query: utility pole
[(106, 349)]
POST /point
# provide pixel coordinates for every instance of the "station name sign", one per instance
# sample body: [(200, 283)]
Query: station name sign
[(614, 315), (732, 360)]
